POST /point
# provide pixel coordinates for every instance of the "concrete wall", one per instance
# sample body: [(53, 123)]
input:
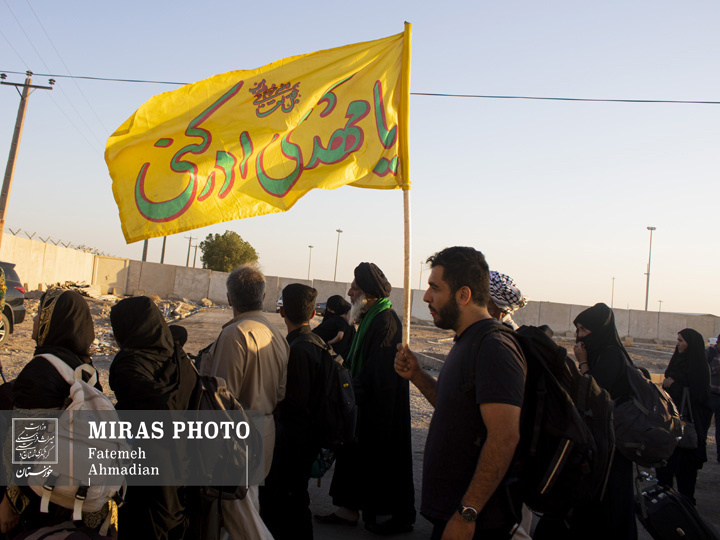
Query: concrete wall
[(111, 273), (152, 279), (217, 291), (38, 263)]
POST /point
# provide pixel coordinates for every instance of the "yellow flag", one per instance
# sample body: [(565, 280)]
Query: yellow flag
[(247, 143)]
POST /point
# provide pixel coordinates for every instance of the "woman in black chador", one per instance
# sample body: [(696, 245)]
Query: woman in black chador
[(334, 328), (63, 327), (600, 353), (689, 369), (150, 373)]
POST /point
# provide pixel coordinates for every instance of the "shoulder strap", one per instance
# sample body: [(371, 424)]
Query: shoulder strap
[(686, 406), (67, 373), (310, 337)]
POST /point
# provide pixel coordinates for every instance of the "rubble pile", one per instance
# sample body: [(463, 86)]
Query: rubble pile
[(90, 291), (100, 305)]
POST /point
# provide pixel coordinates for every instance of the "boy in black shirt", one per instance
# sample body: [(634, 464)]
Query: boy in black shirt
[(284, 500)]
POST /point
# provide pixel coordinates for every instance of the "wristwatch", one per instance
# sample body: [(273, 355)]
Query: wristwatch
[(468, 513)]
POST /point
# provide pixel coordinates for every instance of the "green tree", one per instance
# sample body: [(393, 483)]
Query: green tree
[(225, 252)]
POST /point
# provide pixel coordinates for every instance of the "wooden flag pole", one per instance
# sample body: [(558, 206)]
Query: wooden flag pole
[(405, 167), (406, 270)]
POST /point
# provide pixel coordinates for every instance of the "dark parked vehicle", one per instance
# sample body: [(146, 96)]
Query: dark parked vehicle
[(14, 312)]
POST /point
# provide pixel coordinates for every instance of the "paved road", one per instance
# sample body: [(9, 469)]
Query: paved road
[(203, 327)]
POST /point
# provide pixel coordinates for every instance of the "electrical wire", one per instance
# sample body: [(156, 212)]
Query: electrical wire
[(429, 94), (66, 66), (82, 119), (109, 79), (14, 50)]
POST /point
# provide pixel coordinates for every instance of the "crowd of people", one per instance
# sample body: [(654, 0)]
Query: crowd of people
[(472, 438)]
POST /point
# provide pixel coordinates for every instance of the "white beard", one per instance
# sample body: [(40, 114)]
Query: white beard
[(359, 306)]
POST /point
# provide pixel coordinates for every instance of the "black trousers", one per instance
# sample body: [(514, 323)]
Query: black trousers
[(284, 499), (683, 467)]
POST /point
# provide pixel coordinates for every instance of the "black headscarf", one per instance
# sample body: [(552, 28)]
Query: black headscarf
[(600, 320), (65, 329), (149, 372), (338, 305), (690, 368)]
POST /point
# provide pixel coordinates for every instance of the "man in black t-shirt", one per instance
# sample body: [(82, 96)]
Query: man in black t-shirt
[(476, 425)]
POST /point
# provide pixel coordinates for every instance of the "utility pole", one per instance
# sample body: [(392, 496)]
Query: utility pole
[(309, 261), (195, 256), (162, 255), (337, 251), (647, 283), (145, 248), (10, 169), (190, 239)]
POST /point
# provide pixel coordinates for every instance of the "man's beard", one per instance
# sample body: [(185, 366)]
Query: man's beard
[(359, 306), (448, 315)]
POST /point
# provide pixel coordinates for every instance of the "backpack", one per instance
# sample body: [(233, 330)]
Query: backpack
[(69, 487), (63, 531), (566, 443), (211, 394), (647, 426), (338, 415)]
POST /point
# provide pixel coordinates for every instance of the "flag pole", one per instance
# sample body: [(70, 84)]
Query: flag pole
[(405, 169)]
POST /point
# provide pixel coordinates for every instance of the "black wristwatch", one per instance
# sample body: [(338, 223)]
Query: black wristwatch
[(468, 513)]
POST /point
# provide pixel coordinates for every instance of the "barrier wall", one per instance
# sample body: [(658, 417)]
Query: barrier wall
[(38, 263)]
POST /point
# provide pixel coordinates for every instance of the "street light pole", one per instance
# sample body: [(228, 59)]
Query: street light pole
[(647, 283), (309, 261), (337, 251)]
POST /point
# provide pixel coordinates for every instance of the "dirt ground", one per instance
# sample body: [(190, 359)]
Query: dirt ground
[(424, 338)]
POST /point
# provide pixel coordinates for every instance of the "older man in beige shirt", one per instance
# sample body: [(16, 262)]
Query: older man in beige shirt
[(252, 357)]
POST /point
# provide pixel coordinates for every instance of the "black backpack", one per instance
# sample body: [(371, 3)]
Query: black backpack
[(566, 427), (647, 426), (338, 416)]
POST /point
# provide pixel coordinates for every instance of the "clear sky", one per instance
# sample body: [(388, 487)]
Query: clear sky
[(557, 194)]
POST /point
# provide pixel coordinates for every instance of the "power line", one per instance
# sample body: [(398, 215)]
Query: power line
[(66, 66), (100, 78), (90, 130), (570, 99), (15, 51), (428, 94)]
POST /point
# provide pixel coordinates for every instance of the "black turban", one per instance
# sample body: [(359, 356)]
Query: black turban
[(372, 281)]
